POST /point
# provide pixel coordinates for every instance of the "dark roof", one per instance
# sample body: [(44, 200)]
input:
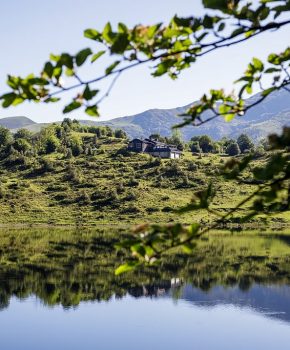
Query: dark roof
[(158, 146)]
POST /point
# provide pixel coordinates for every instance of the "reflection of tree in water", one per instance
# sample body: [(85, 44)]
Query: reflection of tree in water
[(66, 271)]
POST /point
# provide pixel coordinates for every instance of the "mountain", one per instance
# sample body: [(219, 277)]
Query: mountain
[(16, 122), (267, 117)]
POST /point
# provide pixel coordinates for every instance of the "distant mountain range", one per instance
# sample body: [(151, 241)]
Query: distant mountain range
[(268, 117)]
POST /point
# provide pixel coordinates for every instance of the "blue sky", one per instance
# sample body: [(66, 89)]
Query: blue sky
[(31, 29)]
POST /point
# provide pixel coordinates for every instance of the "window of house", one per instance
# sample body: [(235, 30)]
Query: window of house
[(138, 145)]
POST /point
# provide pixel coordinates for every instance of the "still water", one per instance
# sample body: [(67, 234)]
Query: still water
[(219, 319), (58, 291)]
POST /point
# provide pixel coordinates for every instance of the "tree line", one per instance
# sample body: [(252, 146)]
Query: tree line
[(65, 138), (205, 144)]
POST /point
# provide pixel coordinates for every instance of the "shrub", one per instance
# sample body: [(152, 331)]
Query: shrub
[(192, 166), (46, 165), (233, 149), (120, 134), (73, 174), (131, 196), (131, 209), (83, 198), (133, 182), (51, 144), (167, 209), (173, 169), (152, 210)]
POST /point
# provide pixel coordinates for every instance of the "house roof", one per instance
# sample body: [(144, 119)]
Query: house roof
[(158, 146)]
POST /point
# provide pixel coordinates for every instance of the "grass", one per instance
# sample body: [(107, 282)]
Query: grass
[(115, 187)]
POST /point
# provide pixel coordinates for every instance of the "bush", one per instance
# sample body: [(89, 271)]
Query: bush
[(120, 134), (192, 166), (51, 144), (167, 209), (173, 169), (131, 196), (46, 165), (131, 209), (133, 182), (83, 198), (233, 149), (73, 175), (152, 210)]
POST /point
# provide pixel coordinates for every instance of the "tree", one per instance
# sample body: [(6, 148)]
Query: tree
[(120, 134), (176, 139), (69, 154), (195, 147), (5, 137), (157, 137), (171, 49), (51, 144), (75, 143), (245, 143), (23, 134), (233, 149), (22, 145), (206, 144)]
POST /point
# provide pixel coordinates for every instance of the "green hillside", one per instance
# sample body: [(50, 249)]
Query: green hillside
[(69, 174)]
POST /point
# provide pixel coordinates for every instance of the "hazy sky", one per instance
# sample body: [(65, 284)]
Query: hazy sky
[(31, 29)]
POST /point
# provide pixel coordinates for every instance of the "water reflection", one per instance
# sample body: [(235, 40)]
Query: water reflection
[(226, 295), (64, 267)]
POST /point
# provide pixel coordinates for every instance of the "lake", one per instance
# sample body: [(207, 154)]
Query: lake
[(58, 291)]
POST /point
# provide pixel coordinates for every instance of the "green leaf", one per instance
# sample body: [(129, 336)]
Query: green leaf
[(69, 72), (107, 33), (122, 28), (66, 60), (188, 248), (139, 249), (268, 91), (48, 69), (8, 99), (72, 106), (222, 5), (38, 81), (229, 117), (92, 34), (193, 228), (51, 99), (126, 267), (13, 82), (120, 43), (258, 64), (82, 56), (54, 58), (272, 70), (89, 94), (57, 72), (112, 67), (97, 55), (92, 111)]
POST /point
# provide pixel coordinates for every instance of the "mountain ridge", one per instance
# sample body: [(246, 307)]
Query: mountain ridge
[(265, 118)]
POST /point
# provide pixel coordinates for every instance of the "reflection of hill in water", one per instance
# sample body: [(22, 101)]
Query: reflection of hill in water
[(272, 300), (65, 268)]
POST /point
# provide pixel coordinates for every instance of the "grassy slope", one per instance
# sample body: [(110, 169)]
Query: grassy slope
[(82, 190)]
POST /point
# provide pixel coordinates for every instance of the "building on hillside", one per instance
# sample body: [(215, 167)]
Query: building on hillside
[(154, 148)]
